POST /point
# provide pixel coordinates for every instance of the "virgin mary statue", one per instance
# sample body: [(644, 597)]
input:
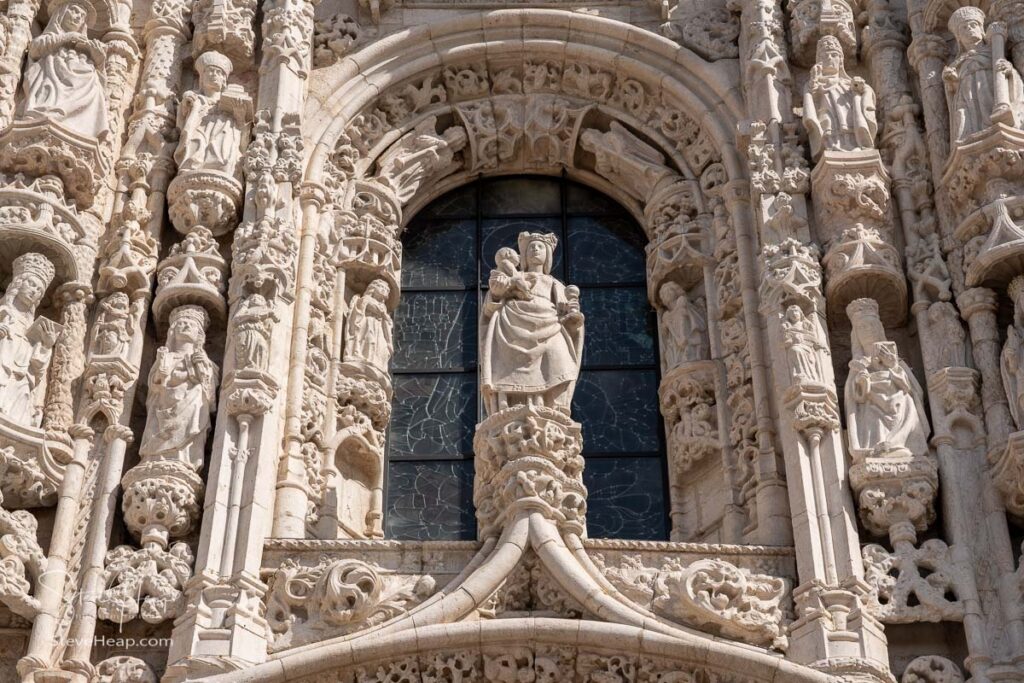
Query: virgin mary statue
[(532, 330), (63, 79)]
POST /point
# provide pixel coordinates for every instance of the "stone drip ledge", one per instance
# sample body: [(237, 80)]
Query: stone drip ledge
[(449, 557)]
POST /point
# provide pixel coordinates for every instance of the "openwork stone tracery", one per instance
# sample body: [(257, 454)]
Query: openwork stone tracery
[(808, 214)]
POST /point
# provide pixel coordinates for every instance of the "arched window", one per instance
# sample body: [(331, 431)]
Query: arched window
[(449, 251)]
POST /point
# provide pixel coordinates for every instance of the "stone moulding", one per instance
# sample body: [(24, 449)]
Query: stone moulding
[(526, 649)]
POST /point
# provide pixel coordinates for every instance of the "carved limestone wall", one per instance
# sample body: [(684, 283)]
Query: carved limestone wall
[(201, 254)]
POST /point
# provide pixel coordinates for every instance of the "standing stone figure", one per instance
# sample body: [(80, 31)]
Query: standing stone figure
[(839, 110), (1012, 358), (26, 343), (884, 402), (63, 79), (803, 346), (182, 385), (685, 326), (211, 120), (531, 333), (981, 85), (253, 321), (112, 332), (368, 335)]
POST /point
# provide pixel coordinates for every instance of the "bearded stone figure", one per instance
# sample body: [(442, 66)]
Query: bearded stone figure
[(211, 120), (982, 87), (63, 79), (839, 110), (685, 325), (182, 385), (26, 343), (884, 402), (368, 335), (532, 331)]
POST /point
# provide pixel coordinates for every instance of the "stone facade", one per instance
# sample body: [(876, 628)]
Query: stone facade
[(202, 208)]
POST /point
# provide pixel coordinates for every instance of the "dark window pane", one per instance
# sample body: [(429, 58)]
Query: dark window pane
[(460, 202), (606, 250), (504, 232), (440, 254), (431, 501), (520, 196), (619, 327), (433, 415), (626, 498), (435, 331), (581, 199), (618, 410)]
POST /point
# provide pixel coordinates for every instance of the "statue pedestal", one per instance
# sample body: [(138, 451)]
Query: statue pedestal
[(204, 198), (528, 457), (34, 466), (1007, 467), (39, 147), (854, 218), (894, 488)]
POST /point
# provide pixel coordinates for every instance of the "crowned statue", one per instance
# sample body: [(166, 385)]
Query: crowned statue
[(64, 75), (839, 110), (532, 330), (884, 402), (212, 119), (982, 87), (26, 342), (182, 386)]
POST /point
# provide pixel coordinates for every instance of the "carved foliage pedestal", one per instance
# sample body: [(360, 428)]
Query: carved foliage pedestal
[(984, 181), (529, 458), (854, 217)]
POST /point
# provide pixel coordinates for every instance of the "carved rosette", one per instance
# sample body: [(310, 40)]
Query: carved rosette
[(528, 458), (854, 218)]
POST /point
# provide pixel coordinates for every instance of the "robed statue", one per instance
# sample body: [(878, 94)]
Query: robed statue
[(982, 87), (212, 119), (532, 330), (839, 110), (368, 330), (182, 386), (63, 77), (26, 342)]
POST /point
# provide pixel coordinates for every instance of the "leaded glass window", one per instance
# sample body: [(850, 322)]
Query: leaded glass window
[(449, 250)]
